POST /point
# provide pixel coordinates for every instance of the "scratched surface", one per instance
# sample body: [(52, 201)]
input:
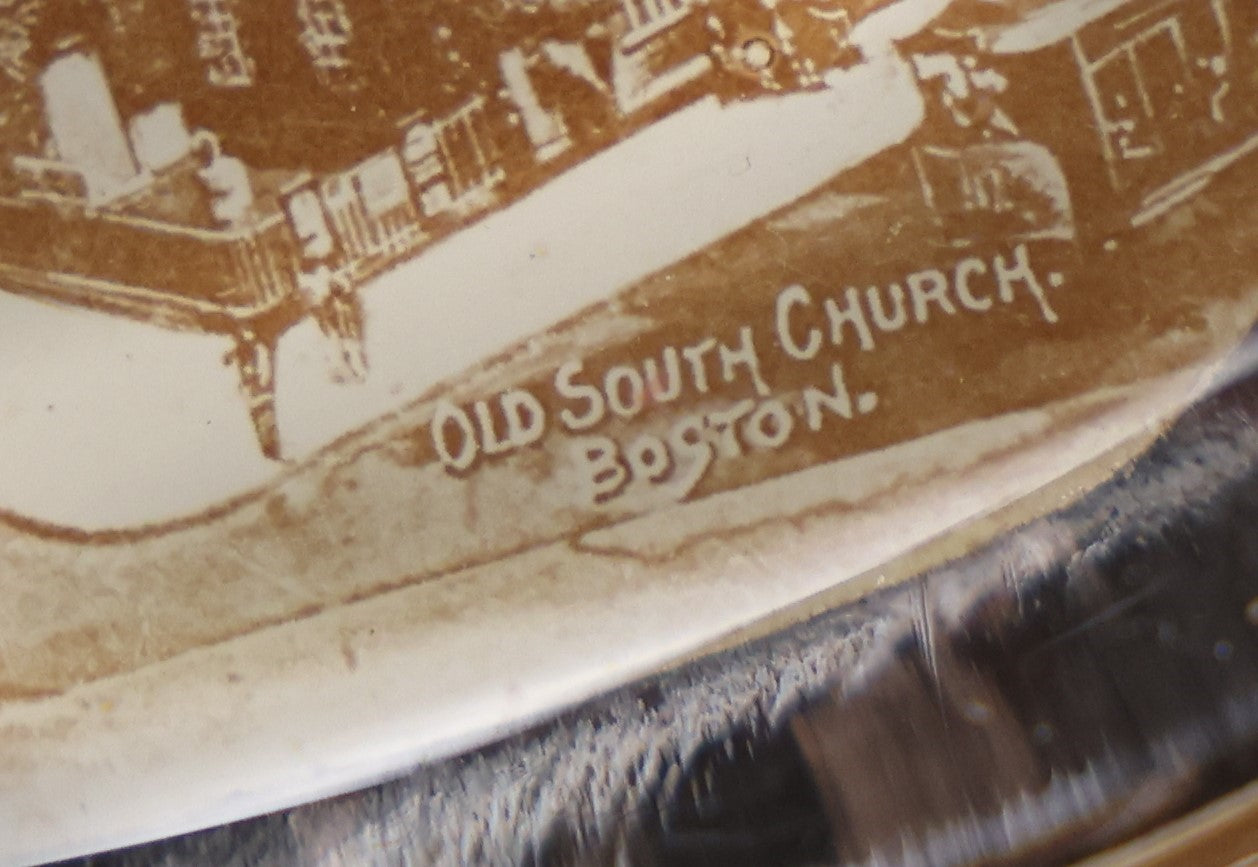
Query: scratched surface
[(535, 345), (1080, 680)]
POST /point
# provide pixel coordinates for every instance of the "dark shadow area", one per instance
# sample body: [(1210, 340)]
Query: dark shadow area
[(1074, 682)]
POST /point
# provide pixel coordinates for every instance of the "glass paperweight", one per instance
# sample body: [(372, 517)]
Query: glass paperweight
[(639, 431)]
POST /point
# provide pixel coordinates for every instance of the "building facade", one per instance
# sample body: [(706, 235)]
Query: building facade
[(1151, 98), (232, 166)]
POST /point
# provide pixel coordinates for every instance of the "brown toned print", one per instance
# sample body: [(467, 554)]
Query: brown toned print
[(240, 170), (307, 306)]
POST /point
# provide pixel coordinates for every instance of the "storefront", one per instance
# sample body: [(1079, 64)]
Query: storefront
[(1150, 99)]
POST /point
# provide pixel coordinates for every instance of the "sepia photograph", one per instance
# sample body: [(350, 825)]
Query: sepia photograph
[(380, 378)]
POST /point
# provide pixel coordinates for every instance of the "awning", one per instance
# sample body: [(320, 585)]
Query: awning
[(1049, 24), (885, 23), (1023, 26)]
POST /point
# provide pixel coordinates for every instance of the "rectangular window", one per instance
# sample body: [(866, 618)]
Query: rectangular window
[(466, 149), (649, 17), (1145, 98), (325, 34), (218, 44)]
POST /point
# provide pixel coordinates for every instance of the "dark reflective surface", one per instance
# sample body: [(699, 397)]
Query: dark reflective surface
[(1083, 678)]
